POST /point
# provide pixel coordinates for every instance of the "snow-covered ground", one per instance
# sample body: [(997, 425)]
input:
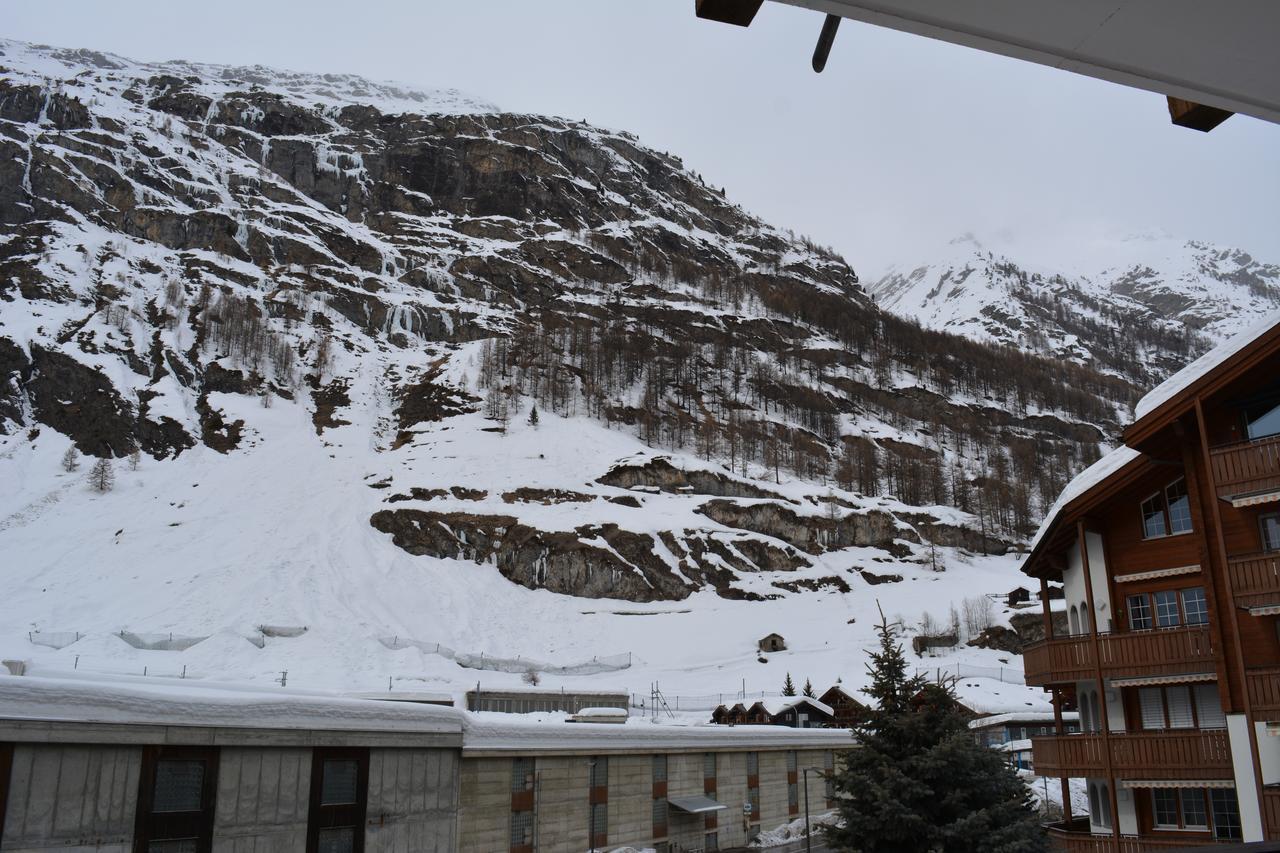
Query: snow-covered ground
[(277, 534)]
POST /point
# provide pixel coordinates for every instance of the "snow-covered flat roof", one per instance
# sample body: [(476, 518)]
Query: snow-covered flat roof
[(1022, 717), (505, 733), (200, 704), (124, 711), (1202, 366)]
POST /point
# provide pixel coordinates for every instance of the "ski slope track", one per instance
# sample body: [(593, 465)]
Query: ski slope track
[(323, 310)]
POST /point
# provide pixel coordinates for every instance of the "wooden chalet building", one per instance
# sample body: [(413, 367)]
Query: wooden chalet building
[(1168, 550), (848, 710)]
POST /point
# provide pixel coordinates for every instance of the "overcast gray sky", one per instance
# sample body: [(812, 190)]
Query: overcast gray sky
[(900, 145)]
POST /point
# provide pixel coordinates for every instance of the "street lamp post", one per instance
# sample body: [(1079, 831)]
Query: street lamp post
[(808, 836)]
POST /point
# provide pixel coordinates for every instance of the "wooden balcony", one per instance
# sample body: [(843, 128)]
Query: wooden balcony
[(1188, 754), (1255, 578), (1075, 837), (1131, 654), (1247, 467), (1263, 684), (1271, 811)]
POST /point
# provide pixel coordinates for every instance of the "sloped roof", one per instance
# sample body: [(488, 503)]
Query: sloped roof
[(1197, 371), (1166, 398)]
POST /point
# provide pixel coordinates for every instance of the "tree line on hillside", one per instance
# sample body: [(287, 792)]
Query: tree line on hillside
[(989, 429)]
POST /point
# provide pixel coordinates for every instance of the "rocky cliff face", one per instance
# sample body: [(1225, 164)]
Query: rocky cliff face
[(177, 240)]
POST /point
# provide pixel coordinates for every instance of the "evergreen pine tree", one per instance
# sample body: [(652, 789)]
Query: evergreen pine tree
[(788, 686), (919, 782), (533, 415), (808, 689)]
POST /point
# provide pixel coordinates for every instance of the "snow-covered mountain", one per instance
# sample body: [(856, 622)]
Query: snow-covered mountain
[(308, 322), (1138, 307)]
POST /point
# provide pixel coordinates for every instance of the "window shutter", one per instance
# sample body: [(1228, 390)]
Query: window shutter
[(1152, 708), (1209, 707), (1179, 707)]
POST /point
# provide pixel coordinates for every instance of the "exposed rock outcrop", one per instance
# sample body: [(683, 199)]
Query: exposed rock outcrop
[(659, 473), (811, 533)]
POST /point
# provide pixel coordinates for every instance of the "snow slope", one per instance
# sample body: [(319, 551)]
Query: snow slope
[(216, 546), (285, 297)]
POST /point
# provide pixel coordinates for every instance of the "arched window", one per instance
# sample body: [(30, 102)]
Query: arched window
[(1094, 811), (1104, 796), (1075, 620), (1096, 711), (1084, 619)]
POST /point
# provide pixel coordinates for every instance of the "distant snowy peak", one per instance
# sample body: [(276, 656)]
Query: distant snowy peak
[(1213, 289), (1139, 307), (40, 62)]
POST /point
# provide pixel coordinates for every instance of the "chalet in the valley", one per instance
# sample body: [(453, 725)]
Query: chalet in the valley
[(803, 712), (1169, 553), (847, 710)]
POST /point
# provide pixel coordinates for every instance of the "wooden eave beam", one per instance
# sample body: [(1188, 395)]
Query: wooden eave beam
[(737, 12), (1196, 116)]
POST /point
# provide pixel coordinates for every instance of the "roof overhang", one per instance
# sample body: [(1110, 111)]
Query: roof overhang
[(695, 804), (1210, 381), (1219, 55), (1061, 529)]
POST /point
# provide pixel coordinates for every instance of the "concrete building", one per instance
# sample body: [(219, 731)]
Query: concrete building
[(526, 787), (159, 767)]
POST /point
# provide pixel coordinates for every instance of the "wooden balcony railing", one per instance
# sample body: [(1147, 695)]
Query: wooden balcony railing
[(1271, 812), (1247, 466), (1263, 684), (1075, 837), (1190, 754), (1255, 578), (1165, 651)]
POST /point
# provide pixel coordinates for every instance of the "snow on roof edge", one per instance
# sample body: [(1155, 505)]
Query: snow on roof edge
[(1202, 366), (1083, 482), (195, 704), (1022, 716)]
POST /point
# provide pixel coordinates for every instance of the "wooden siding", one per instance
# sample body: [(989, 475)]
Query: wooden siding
[(1264, 693)]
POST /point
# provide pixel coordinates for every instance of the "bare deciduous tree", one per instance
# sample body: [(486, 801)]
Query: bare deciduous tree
[(70, 460), (102, 476), (977, 614)]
